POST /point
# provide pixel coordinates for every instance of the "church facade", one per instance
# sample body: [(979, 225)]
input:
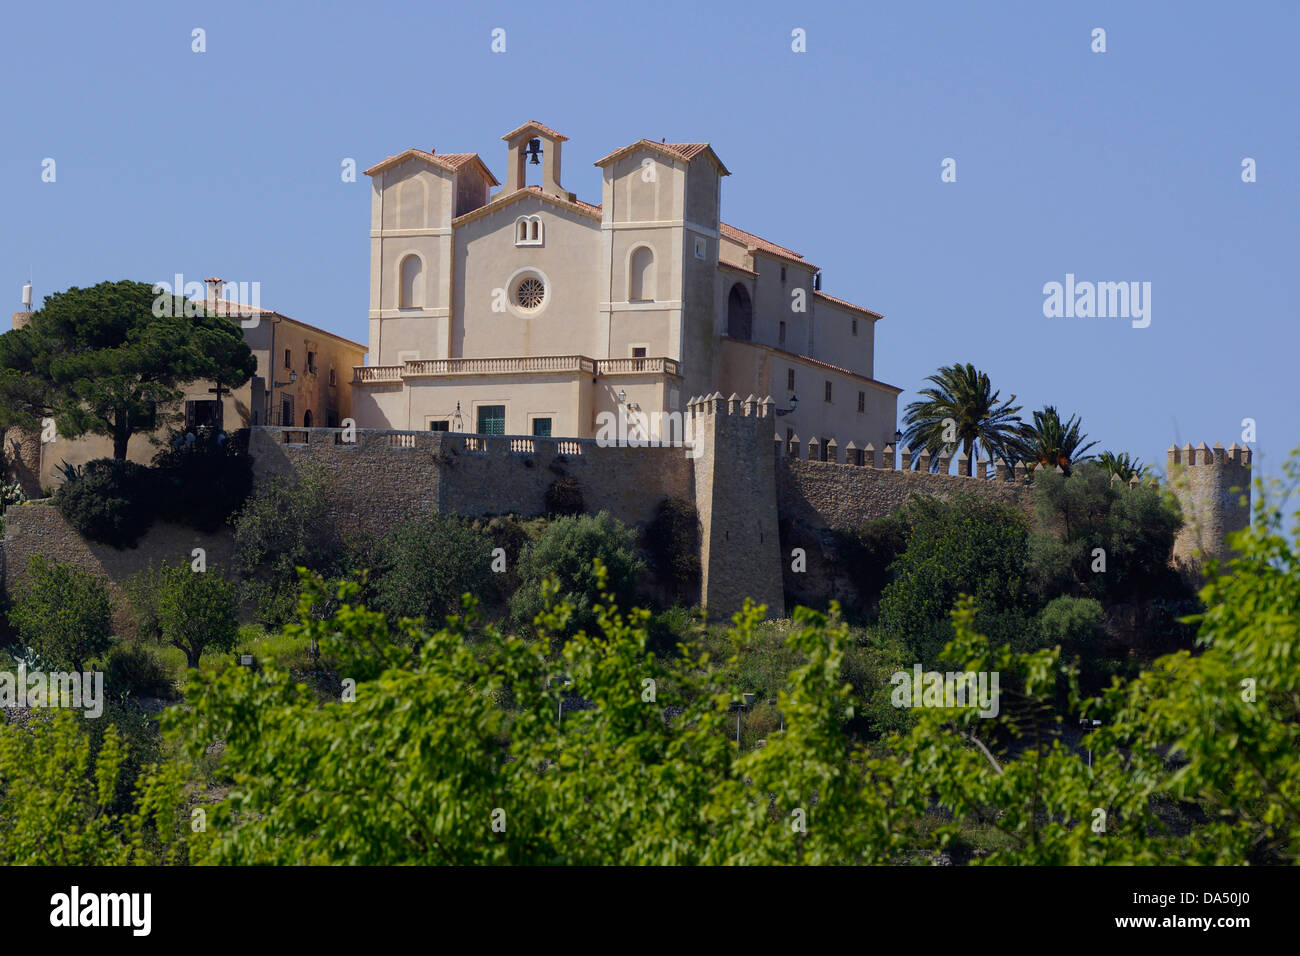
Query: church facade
[(527, 311)]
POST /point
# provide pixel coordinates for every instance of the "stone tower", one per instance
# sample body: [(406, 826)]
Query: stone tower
[(735, 494), (1213, 487)]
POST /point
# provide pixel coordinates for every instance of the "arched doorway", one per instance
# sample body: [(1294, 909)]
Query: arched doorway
[(306, 419), (740, 313)]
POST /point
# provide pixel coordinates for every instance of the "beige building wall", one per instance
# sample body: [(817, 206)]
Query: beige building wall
[(646, 274)]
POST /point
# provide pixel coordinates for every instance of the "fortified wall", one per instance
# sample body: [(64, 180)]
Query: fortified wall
[(749, 489)]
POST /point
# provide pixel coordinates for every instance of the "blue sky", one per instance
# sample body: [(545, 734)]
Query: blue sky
[(1115, 166)]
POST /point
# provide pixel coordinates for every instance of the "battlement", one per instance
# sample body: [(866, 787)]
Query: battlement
[(1213, 487), (708, 405), (1202, 455)]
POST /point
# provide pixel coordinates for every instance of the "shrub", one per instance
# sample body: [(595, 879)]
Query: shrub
[(673, 540), (285, 526), (108, 502), (966, 546), (564, 497), (11, 493), (196, 611), (425, 564), (135, 669), (565, 551), (62, 613), (1073, 623)]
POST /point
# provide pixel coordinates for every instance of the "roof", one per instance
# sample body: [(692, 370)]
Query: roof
[(809, 360), (757, 243), (682, 151), (848, 305), (451, 162), (504, 199), (541, 128), (238, 310)]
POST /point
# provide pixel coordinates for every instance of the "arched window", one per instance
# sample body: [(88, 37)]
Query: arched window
[(410, 205), (411, 292), (641, 275), (740, 313), (528, 231), (306, 419)]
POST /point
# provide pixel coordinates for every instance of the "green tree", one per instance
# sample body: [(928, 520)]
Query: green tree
[(1050, 443), (62, 613), (566, 551), (1096, 538), (112, 366), (196, 611), (58, 798), (426, 563), (287, 524), (24, 399), (1122, 465), (969, 546), (961, 410)]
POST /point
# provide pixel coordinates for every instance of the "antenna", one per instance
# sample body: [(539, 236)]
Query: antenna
[(27, 295)]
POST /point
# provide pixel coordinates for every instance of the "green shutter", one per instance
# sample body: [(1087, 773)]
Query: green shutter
[(491, 419)]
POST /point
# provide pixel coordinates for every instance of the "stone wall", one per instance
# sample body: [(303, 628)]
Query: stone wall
[(824, 494), (22, 455), (38, 528), (735, 494), (383, 476), (1213, 486), (756, 496)]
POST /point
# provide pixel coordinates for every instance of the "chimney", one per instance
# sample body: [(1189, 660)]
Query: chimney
[(214, 289)]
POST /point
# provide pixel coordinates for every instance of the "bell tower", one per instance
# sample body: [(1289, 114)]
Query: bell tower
[(536, 145)]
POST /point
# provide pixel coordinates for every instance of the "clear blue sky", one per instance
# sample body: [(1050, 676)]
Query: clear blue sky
[(1122, 166)]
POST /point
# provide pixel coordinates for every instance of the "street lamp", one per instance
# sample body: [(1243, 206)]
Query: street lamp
[(1083, 722), (794, 403)]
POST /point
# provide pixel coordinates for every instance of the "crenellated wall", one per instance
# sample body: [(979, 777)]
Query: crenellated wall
[(1213, 487), (744, 482)]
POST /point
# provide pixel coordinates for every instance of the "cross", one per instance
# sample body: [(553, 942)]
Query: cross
[(219, 391)]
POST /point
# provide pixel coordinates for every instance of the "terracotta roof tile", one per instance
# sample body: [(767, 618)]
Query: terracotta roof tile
[(559, 137), (451, 162), (847, 304), (749, 239), (688, 150)]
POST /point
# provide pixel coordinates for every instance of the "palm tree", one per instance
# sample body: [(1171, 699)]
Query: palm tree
[(1122, 464), (1050, 443), (961, 411)]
